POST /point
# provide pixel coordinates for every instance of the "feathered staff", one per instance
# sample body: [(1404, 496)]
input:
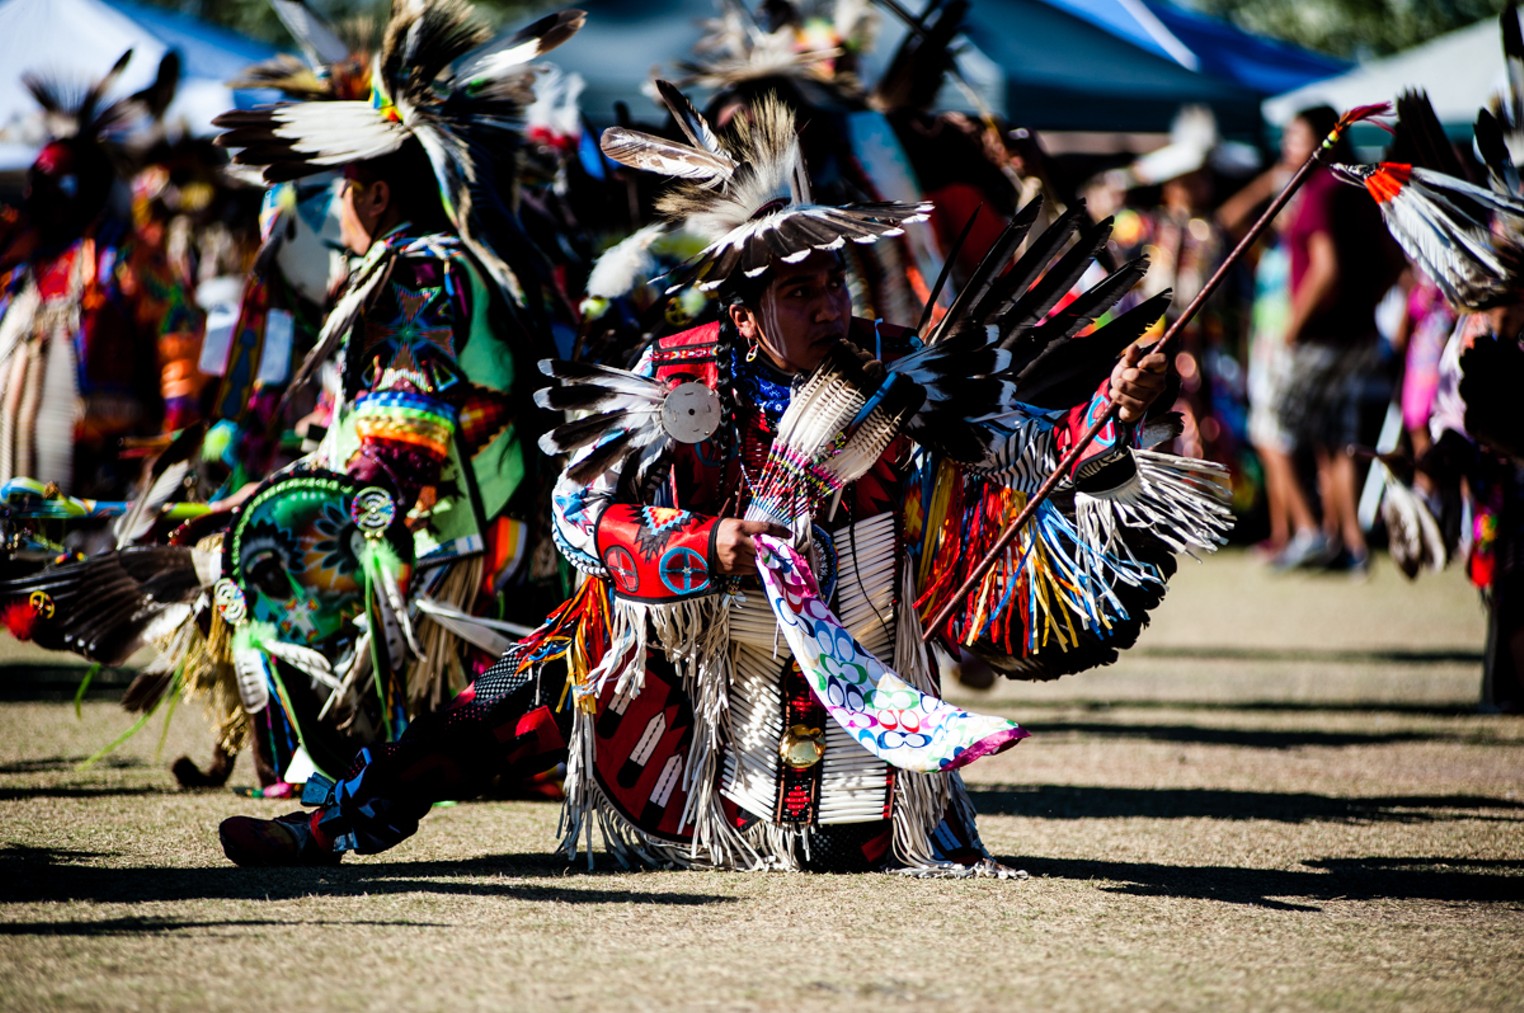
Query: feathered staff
[(997, 551)]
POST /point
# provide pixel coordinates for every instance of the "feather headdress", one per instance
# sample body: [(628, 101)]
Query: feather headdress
[(335, 62), (746, 193), (1004, 340), (74, 113), (784, 39), (440, 80)]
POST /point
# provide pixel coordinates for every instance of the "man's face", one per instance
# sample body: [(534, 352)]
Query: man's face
[(359, 214), (804, 310)]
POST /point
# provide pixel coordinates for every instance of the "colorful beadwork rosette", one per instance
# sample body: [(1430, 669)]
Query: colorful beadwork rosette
[(296, 551), (373, 511)]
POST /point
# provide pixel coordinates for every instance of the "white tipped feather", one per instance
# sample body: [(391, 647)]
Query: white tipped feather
[(504, 55), (252, 674), (1466, 237)]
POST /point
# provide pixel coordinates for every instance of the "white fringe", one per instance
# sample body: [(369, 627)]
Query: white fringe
[(696, 637), (1181, 500), (920, 800)]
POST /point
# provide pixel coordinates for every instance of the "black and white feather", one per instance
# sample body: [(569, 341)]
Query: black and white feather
[(738, 47), (105, 607), (617, 414), (441, 80), (1006, 339), (1469, 239)]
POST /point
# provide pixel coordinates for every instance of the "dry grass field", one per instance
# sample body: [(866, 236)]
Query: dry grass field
[(1282, 800)]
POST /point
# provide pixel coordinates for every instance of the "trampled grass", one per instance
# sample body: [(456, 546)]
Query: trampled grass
[(1282, 799)]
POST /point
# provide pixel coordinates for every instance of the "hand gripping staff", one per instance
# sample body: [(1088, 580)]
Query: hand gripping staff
[(1319, 156)]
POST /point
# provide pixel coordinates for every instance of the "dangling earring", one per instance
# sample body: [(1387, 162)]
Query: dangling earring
[(751, 353)]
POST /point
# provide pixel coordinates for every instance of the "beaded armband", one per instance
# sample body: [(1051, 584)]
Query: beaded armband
[(657, 554)]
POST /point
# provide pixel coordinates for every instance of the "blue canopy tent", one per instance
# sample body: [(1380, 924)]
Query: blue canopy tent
[(1064, 72), (1095, 65), (1268, 66)]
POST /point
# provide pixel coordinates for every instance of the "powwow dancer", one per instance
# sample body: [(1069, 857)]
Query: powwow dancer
[(298, 264), (715, 721), (314, 593), (1469, 238), (98, 336)]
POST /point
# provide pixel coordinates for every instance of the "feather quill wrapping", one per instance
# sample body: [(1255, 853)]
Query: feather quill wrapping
[(1466, 237)]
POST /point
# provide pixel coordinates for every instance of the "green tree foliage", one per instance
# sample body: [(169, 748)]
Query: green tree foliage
[(1352, 28), (255, 19)]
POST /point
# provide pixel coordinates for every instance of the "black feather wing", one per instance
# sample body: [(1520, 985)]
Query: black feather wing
[(101, 606)]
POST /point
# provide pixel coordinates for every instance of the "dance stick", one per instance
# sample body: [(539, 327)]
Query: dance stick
[(1346, 121)]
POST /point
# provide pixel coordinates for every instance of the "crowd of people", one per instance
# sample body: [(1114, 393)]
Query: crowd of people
[(678, 461)]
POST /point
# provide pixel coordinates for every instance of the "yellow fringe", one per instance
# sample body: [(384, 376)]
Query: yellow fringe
[(208, 673)]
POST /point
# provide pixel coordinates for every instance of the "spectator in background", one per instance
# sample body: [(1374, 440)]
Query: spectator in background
[(1342, 263), (1293, 527)]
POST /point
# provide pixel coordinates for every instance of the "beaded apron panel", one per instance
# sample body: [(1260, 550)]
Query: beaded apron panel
[(828, 777)]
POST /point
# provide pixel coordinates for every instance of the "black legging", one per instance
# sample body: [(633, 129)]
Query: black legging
[(505, 724)]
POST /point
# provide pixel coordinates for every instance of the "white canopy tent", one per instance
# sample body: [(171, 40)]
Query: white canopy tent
[(76, 41), (1459, 70)]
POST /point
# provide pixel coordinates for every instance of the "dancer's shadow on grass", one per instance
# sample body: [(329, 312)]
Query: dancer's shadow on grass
[(81, 791), (68, 767), (226, 927), (52, 764), (1063, 801), (1244, 738), (32, 875), (1498, 881)]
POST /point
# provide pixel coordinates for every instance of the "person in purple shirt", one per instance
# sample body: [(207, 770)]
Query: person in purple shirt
[(1342, 263)]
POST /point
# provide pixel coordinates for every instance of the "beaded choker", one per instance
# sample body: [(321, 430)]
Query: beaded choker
[(760, 384)]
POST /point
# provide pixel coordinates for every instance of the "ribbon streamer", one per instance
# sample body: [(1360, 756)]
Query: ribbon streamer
[(893, 720)]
